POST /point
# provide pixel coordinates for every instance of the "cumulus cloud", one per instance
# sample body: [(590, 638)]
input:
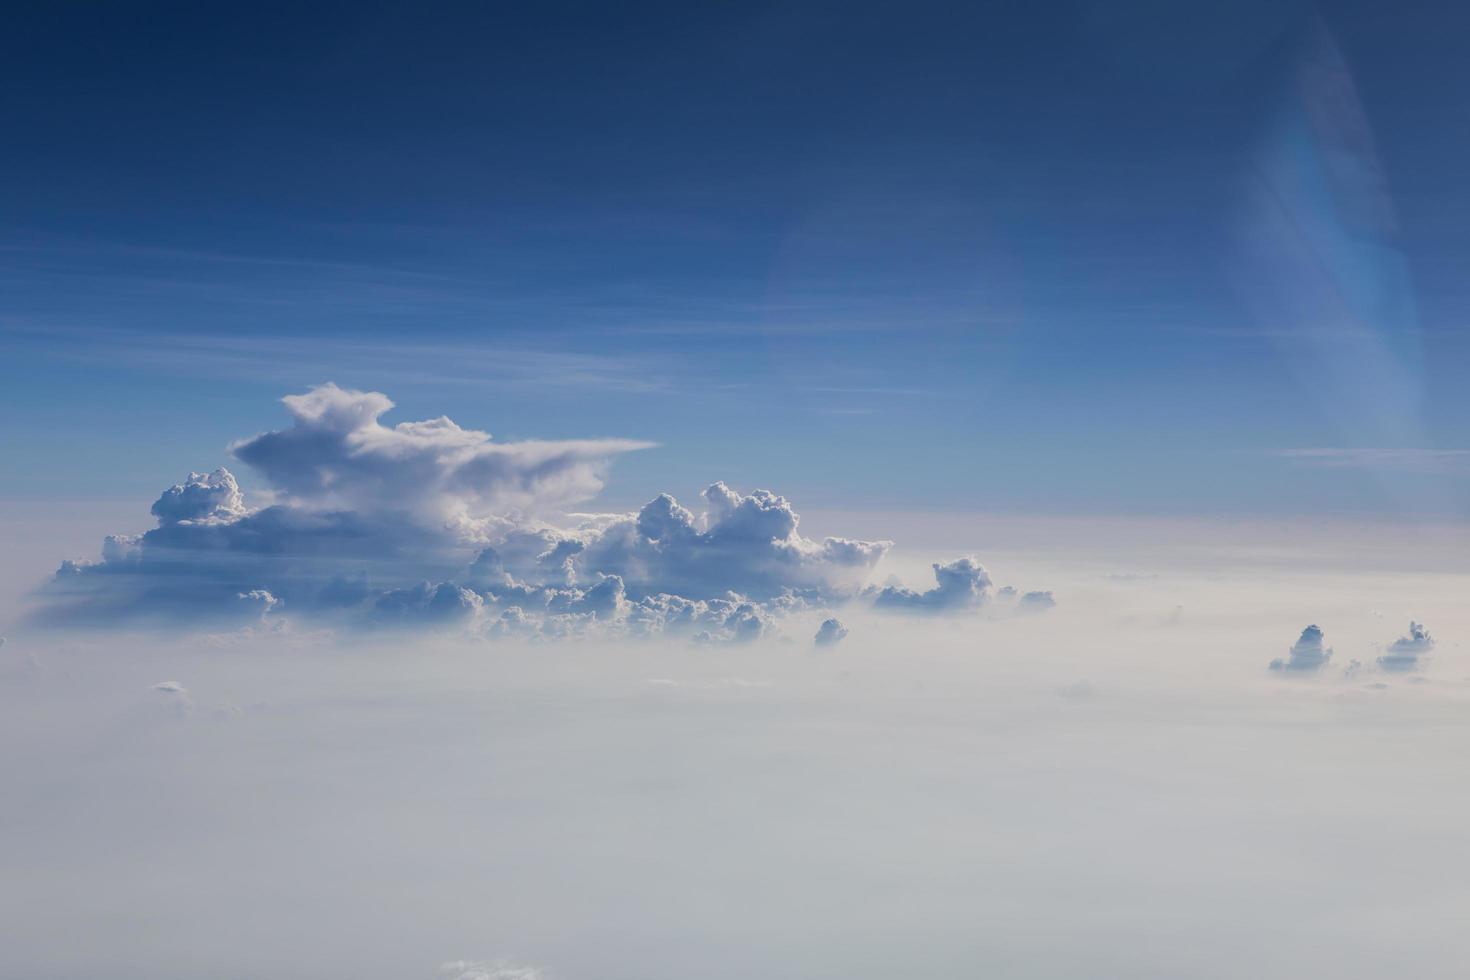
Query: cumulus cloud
[(1307, 654), (831, 633), (338, 456), (202, 498), (1404, 654), (430, 525), (426, 604), (1026, 601), (745, 543), (962, 584)]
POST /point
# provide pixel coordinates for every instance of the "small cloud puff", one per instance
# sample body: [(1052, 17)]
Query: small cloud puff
[(1404, 654), (744, 543), (962, 584), (258, 601), (179, 704), (1307, 654), (426, 604), (831, 633)]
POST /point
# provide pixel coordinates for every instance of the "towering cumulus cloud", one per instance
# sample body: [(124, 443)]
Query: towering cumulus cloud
[(1308, 653), (430, 524), (338, 455), (1406, 653)]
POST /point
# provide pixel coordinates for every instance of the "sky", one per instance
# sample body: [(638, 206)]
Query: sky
[(666, 491), (1086, 258)]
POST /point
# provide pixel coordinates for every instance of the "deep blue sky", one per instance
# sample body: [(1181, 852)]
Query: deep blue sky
[(1084, 256)]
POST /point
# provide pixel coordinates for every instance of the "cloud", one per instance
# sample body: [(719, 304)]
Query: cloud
[(1401, 460), (962, 584), (442, 785), (337, 455), (604, 611), (1075, 690), (211, 498), (258, 601), (501, 970), (1027, 601), (1307, 654), (428, 525), (831, 633), (1405, 653), (179, 704), (426, 604), (1310, 652), (745, 543)]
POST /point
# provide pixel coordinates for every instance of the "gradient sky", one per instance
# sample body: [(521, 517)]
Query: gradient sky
[(1112, 354), (1090, 257)]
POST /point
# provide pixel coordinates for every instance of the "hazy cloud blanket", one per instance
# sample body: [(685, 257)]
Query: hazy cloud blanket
[(430, 524)]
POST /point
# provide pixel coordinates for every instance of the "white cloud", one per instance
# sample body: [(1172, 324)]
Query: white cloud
[(1402, 460), (430, 525), (425, 604), (435, 798), (1307, 654), (337, 455), (202, 498), (830, 633), (179, 704), (258, 601), (961, 584), (1026, 601), (1405, 653), (745, 543), (500, 970)]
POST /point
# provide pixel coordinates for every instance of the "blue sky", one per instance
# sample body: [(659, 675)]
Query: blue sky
[(1067, 364), (1088, 258)]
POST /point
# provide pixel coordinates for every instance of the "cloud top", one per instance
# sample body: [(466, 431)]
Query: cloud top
[(338, 455), (961, 584), (1309, 653), (213, 497), (1405, 653)]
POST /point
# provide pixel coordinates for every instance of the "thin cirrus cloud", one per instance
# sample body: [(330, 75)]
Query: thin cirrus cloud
[(431, 525), (499, 970), (1404, 460)]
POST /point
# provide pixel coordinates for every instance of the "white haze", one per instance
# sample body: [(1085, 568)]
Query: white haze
[(1116, 787)]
